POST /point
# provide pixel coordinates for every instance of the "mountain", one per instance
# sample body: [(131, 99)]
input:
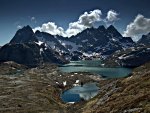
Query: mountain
[(52, 42), (30, 54), (131, 57), (90, 43), (30, 48), (103, 41), (145, 40), (25, 49), (24, 35)]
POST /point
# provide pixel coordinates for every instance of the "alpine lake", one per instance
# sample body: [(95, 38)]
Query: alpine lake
[(89, 90)]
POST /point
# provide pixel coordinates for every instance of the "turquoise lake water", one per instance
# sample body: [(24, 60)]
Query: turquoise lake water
[(89, 90), (94, 66)]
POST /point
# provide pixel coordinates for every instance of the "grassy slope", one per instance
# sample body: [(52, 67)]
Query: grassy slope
[(35, 91), (30, 92), (127, 95)]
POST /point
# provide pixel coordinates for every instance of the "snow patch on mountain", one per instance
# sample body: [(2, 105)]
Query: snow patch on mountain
[(39, 43), (41, 51), (84, 40), (124, 56), (70, 45)]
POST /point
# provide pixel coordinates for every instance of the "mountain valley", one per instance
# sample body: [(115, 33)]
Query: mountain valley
[(31, 81)]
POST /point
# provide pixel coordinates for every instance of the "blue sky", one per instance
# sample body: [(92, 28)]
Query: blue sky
[(18, 13)]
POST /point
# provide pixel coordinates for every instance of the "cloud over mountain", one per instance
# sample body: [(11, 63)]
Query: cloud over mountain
[(140, 25), (19, 26), (85, 21), (51, 28), (112, 16)]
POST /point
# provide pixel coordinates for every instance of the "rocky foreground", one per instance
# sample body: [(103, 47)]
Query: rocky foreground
[(37, 90)]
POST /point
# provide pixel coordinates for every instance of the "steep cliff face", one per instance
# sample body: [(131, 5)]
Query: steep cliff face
[(30, 54), (20, 53), (24, 48)]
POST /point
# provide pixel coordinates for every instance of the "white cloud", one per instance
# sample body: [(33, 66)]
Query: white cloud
[(50, 28), (88, 19), (33, 19), (140, 25), (19, 26), (85, 21), (112, 16)]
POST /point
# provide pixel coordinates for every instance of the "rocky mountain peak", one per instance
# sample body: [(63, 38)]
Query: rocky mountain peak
[(111, 27), (101, 28), (24, 35), (27, 28), (37, 32), (145, 40), (112, 30)]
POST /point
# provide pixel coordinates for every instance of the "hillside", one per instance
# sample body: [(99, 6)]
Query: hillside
[(126, 95), (131, 57), (37, 90)]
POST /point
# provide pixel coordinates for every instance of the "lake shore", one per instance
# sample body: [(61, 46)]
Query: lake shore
[(38, 90)]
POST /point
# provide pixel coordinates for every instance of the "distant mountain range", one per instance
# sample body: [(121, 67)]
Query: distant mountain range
[(133, 56), (30, 48), (87, 44)]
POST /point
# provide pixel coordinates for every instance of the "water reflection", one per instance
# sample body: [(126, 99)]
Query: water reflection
[(75, 94)]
